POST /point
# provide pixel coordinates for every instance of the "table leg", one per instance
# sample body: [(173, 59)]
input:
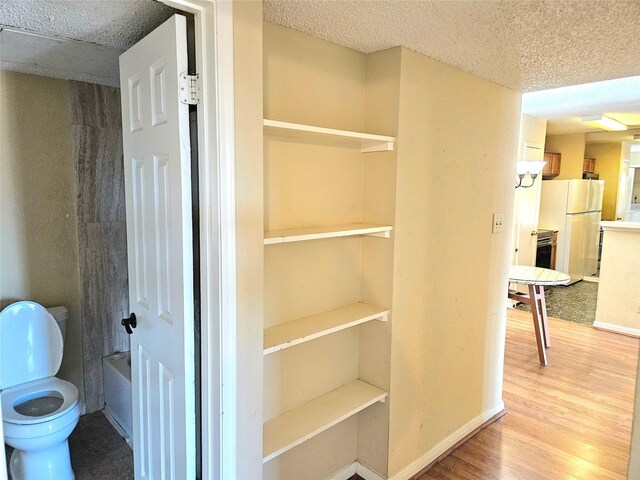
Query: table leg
[(543, 313), (537, 324)]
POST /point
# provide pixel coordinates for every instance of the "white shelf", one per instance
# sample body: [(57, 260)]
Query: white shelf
[(316, 233), (316, 326), (298, 425), (367, 142)]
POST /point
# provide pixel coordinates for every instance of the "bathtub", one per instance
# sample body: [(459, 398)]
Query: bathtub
[(116, 377)]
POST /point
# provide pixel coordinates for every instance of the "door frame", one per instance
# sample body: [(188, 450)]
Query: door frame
[(216, 164)]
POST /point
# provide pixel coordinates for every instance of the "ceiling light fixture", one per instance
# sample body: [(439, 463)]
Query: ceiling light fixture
[(605, 123), (532, 168)]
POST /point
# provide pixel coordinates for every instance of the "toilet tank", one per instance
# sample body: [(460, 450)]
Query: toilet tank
[(61, 314)]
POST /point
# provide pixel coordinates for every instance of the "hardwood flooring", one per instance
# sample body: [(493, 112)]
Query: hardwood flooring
[(570, 420)]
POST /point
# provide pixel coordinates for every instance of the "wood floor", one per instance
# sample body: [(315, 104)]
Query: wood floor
[(569, 420)]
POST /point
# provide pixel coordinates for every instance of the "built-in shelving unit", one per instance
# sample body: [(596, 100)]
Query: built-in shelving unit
[(309, 328), (317, 233), (290, 429), (367, 142)]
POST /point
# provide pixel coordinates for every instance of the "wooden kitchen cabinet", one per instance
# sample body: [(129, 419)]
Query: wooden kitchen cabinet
[(552, 168), (589, 165)]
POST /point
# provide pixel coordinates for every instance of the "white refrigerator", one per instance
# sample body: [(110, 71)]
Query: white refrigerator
[(574, 208)]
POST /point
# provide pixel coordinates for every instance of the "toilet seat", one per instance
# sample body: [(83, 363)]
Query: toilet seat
[(14, 396)]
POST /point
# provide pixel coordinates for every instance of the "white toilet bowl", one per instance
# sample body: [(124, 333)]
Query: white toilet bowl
[(39, 410)]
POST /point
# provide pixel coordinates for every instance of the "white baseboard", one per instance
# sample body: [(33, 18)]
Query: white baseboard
[(350, 470), (591, 279), (366, 473), (609, 327), (428, 458), (444, 445), (346, 473)]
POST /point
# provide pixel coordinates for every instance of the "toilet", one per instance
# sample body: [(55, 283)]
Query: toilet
[(39, 411)]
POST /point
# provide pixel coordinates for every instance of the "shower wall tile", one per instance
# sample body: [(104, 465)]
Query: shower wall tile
[(95, 105), (105, 335), (119, 339), (104, 301), (102, 239), (94, 393), (100, 173), (103, 267)]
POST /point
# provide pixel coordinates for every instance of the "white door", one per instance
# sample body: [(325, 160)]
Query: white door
[(527, 211), (155, 128)]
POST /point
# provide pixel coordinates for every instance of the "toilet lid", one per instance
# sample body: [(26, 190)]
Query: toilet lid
[(30, 344)]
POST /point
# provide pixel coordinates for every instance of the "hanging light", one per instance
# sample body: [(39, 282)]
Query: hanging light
[(532, 168), (604, 122)]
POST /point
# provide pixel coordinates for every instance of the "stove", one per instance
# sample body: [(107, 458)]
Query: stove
[(545, 256)]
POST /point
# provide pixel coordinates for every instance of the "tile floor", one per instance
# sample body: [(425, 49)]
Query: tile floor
[(576, 302), (98, 452)]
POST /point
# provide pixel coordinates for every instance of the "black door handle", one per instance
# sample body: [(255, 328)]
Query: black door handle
[(129, 323)]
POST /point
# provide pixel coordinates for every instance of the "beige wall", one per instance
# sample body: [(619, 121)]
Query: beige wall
[(533, 129), (381, 116), (619, 288), (608, 162), (38, 238), (450, 271), (572, 149), (247, 38)]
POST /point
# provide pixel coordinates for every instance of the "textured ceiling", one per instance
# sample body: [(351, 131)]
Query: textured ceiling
[(75, 40), (113, 23), (56, 57), (522, 44)]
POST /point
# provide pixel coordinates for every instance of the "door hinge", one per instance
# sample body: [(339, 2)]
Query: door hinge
[(189, 88)]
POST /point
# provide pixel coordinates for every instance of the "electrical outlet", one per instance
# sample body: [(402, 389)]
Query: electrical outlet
[(498, 223)]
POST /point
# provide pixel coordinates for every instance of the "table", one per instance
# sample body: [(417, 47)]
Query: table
[(536, 278)]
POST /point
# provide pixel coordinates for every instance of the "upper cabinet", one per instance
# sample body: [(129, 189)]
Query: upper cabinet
[(552, 167), (589, 165)]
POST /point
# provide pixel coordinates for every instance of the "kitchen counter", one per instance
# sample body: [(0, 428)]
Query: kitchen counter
[(618, 308), (620, 226)]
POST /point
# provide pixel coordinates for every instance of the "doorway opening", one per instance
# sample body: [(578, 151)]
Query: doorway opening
[(94, 217)]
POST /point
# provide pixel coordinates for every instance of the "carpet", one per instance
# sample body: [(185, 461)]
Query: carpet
[(576, 302)]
